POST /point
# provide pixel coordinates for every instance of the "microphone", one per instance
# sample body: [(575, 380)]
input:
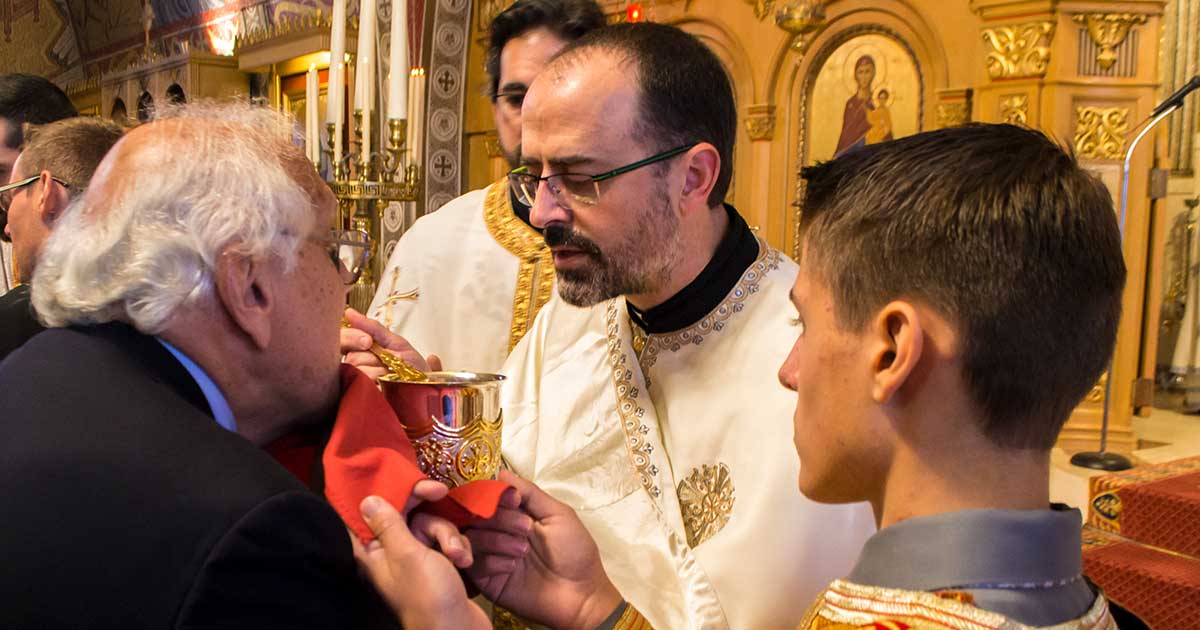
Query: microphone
[(1176, 99)]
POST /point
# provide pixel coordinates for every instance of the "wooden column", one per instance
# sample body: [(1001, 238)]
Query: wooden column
[(1085, 73)]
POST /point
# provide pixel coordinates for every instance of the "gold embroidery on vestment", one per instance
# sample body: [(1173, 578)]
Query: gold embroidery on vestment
[(845, 602), (734, 302), (535, 275), (627, 405), (706, 499)]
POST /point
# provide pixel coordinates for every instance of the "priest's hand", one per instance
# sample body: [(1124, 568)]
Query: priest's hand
[(421, 585), (363, 332), (538, 561)]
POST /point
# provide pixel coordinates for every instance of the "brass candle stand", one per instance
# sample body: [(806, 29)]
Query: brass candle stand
[(365, 184)]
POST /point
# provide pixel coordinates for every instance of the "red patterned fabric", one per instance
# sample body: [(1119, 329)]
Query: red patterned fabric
[(368, 453), (1160, 587), (1157, 505)]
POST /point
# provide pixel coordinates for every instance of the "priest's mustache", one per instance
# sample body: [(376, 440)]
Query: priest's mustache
[(559, 235)]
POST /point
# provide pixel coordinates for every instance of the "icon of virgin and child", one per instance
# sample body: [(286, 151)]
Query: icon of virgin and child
[(866, 119)]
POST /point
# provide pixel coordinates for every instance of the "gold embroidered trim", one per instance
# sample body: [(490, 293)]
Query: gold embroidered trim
[(768, 260), (631, 619), (847, 602), (706, 499), (627, 405), (535, 275)]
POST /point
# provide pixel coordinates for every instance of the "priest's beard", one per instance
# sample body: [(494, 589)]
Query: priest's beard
[(640, 263)]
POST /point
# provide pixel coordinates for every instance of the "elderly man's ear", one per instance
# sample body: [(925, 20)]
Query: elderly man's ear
[(246, 290)]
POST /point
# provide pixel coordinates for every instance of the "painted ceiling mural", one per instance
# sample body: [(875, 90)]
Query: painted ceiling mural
[(58, 38), (36, 37)]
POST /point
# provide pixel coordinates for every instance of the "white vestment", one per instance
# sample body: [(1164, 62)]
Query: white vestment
[(680, 461), (466, 281), (7, 281)]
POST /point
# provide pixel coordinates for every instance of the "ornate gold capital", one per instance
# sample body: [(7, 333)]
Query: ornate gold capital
[(1019, 50), (760, 122), (1107, 31), (1100, 132), (952, 114), (1014, 109), (953, 107)]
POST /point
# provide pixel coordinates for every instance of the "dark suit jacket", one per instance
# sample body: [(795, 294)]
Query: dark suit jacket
[(17, 322), (126, 506)]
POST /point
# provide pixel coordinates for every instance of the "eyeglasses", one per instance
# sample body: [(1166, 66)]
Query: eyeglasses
[(510, 100), (6, 193), (349, 250), (571, 188)]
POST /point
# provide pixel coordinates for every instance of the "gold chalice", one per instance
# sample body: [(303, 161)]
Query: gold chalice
[(453, 420)]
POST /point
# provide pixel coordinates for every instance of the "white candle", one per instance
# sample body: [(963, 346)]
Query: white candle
[(365, 71), (335, 101), (398, 75), (337, 54), (312, 91), (416, 121)]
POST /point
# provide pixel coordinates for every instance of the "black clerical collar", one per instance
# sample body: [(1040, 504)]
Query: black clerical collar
[(737, 250), (518, 208)]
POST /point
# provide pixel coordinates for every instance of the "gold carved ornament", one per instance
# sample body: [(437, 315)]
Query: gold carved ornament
[(1107, 31), (1020, 50), (760, 122), (1014, 109), (706, 498), (804, 19), (535, 275), (762, 8), (1100, 132), (953, 114)]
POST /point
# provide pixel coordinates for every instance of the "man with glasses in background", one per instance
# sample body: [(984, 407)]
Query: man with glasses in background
[(194, 295), (644, 393), (55, 166), (24, 98), (466, 281)]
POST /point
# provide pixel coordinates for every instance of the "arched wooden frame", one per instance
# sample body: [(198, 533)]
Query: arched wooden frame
[(119, 113), (805, 104), (792, 76)]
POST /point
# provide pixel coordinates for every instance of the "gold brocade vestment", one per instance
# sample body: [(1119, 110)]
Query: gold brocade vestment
[(465, 282), (676, 452), (849, 606)]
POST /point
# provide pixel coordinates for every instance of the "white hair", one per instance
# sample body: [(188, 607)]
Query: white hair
[(149, 244)]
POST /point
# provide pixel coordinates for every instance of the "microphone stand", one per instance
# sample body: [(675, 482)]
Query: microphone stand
[(1102, 459)]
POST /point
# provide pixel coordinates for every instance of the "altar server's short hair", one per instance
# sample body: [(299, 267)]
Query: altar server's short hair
[(70, 149), (1000, 230)]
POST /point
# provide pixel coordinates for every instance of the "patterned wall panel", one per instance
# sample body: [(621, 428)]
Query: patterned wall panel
[(447, 78)]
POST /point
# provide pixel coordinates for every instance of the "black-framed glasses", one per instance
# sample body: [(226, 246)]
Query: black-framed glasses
[(512, 100), (6, 191), (571, 188), (349, 250)]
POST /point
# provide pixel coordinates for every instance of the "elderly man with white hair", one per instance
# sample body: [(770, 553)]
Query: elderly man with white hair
[(195, 294)]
